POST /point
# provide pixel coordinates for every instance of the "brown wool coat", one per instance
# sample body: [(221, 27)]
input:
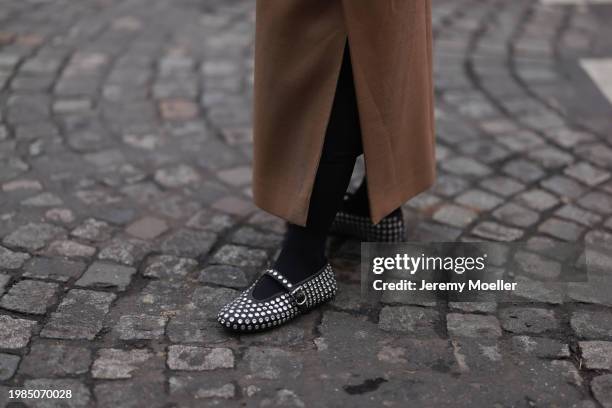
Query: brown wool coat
[(298, 52)]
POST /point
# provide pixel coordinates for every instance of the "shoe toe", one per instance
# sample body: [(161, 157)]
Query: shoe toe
[(230, 315)]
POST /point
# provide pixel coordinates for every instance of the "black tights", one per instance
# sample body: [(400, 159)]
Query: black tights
[(303, 251)]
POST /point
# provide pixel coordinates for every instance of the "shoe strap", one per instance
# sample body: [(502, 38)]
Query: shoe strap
[(296, 292)]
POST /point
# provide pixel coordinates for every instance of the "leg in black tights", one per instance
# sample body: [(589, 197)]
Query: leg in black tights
[(303, 251), (358, 201)]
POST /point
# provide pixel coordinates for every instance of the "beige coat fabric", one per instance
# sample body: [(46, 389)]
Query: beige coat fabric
[(299, 46)]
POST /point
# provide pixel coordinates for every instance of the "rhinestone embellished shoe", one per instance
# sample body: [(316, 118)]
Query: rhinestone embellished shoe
[(246, 314), (389, 229)]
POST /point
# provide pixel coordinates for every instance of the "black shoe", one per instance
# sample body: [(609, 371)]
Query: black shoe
[(246, 314), (389, 229)]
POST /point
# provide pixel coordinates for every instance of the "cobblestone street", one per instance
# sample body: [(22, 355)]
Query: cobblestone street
[(126, 219)]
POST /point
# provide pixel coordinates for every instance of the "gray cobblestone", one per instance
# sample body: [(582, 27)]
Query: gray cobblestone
[(448, 186), (103, 275), (8, 365), (176, 176), (602, 389), (497, 232), (125, 251), (17, 185), (147, 228), (537, 266), (272, 363), (79, 316), (544, 292), (597, 202), (239, 256), (250, 236), (578, 215), (53, 359), (189, 243), (348, 297), (592, 325), (455, 215), (596, 355), (70, 249), (550, 157), (43, 200), (517, 215), (538, 200), (486, 151), (479, 200), (211, 299), (564, 230), (93, 230), (30, 296), (168, 267), (210, 221), (473, 307), (33, 236), (409, 319), (528, 320), (60, 215), (587, 174), (141, 327), (117, 364), (57, 269), (192, 358), (522, 141), (524, 170), (502, 185), (225, 275), (195, 326), (194, 386), (597, 153), (11, 259), (595, 291), (598, 237), (541, 347), (466, 167), (563, 186), (15, 333), (471, 325), (423, 201)]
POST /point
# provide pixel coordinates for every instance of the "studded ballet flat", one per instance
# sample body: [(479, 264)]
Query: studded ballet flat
[(389, 229), (246, 314)]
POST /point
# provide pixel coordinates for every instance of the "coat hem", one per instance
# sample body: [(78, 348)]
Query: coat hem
[(398, 194)]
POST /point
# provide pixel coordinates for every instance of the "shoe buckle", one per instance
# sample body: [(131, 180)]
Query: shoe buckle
[(299, 296)]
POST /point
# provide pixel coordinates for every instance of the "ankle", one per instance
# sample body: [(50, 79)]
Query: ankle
[(299, 263)]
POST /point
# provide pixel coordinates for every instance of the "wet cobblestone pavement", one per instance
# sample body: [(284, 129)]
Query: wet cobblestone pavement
[(125, 217)]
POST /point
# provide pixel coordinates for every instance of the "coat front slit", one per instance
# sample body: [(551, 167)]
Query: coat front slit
[(299, 47)]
